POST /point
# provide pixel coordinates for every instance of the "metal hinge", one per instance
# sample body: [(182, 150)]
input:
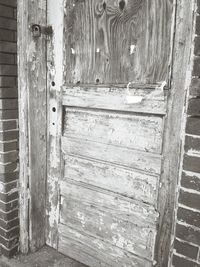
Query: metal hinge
[(37, 30)]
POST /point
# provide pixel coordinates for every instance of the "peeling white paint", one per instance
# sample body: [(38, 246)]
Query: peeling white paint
[(132, 49), (73, 51)]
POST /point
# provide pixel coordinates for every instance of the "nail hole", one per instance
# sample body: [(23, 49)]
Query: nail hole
[(122, 4), (97, 80), (53, 84), (53, 123), (54, 109), (78, 82), (104, 5)]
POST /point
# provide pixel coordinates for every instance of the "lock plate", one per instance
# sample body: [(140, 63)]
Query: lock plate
[(38, 30)]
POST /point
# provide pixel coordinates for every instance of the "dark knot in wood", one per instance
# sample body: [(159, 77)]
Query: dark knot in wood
[(122, 4)]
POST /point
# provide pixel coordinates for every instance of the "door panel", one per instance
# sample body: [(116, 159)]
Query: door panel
[(117, 41), (112, 109), (125, 181), (108, 192)]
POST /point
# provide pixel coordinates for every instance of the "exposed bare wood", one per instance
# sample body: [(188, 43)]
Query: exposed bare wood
[(181, 75), (146, 100), (127, 182), (101, 225), (23, 126), (118, 155), (124, 130), (126, 208), (117, 41), (32, 99), (83, 247), (55, 15)]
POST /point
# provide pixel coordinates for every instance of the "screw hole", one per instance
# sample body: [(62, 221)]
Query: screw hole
[(53, 83), (122, 4), (97, 80), (53, 123), (78, 82), (54, 109)]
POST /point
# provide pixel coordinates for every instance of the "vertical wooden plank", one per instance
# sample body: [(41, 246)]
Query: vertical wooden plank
[(55, 11), (181, 75), (32, 118), (23, 126)]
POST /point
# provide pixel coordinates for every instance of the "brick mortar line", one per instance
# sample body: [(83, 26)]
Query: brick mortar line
[(9, 220), (8, 202), (180, 205), (187, 242), (191, 174), (8, 183), (11, 229), (7, 5), (10, 211), (185, 189), (192, 135), (184, 257), (6, 239), (1, 245), (188, 225)]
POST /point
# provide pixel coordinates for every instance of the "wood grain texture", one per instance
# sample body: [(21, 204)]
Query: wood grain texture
[(118, 155), (181, 78), (151, 100), (83, 247), (123, 130), (137, 185), (117, 41), (102, 223), (126, 208), (32, 115), (54, 77)]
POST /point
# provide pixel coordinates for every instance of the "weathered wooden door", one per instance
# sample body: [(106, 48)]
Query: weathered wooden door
[(108, 63)]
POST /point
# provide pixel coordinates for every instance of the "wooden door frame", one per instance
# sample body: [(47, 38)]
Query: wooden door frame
[(33, 86)]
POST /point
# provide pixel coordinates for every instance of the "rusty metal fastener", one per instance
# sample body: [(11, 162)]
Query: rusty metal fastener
[(38, 30)]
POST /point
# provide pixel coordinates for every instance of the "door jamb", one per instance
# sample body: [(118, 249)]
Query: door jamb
[(32, 125)]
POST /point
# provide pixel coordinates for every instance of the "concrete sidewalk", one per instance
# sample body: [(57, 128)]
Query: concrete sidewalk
[(46, 257)]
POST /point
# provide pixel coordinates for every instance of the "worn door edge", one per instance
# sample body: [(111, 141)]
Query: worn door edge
[(180, 74), (29, 12), (55, 17)]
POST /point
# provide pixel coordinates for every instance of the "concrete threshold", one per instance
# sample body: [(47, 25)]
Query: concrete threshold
[(45, 257)]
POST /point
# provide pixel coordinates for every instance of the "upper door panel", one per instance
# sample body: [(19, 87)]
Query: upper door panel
[(117, 41)]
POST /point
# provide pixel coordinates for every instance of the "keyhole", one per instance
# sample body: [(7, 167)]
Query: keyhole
[(104, 5), (122, 4)]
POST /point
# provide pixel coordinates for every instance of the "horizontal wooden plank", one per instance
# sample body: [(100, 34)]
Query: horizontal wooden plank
[(151, 101), (113, 204), (84, 247), (100, 224), (140, 160), (124, 130), (130, 183)]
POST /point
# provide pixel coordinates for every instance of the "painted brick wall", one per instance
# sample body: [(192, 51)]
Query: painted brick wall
[(186, 252), (9, 222)]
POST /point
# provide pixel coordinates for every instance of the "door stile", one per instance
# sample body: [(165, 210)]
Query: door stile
[(54, 82), (32, 124), (179, 80)]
